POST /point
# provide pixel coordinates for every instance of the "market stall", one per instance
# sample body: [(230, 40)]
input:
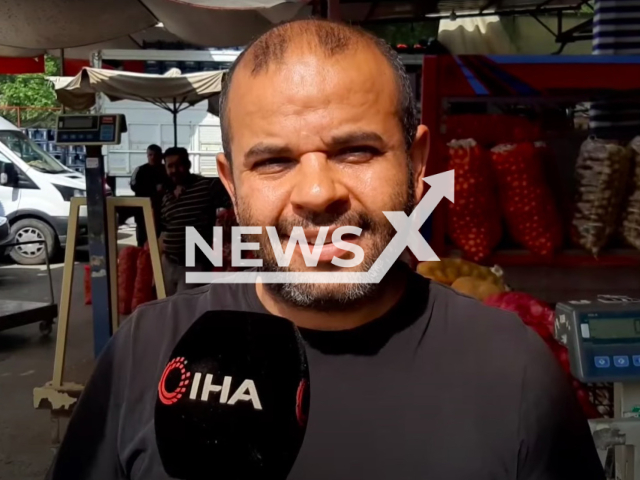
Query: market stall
[(529, 128), (536, 192)]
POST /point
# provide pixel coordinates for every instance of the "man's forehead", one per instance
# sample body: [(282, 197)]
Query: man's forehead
[(307, 80)]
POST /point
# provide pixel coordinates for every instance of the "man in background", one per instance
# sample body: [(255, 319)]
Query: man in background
[(149, 180), (192, 202)]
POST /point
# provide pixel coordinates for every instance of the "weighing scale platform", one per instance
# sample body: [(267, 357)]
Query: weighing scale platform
[(16, 313)]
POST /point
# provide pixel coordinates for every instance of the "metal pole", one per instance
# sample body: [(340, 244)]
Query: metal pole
[(175, 124), (98, 249)]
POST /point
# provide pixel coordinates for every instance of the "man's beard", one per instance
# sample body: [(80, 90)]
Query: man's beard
[(331, 296)]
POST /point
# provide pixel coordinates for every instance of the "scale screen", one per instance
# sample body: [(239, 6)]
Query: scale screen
[(96, 130), (78, 122), (614, 328)]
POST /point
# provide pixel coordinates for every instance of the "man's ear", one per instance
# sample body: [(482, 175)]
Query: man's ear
[(225, 172), (419, 155)]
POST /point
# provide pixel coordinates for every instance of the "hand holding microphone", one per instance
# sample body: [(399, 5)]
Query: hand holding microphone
[(233, 399)]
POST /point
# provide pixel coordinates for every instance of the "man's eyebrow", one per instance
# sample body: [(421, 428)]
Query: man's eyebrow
[(355, 138), (263, 149)]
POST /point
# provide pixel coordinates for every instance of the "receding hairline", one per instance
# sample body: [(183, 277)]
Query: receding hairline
[(319, 36)]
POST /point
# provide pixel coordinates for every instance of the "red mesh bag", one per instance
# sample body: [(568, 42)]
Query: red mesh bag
[(473, 220), (143, 289), (87, 285), (540, 317), (527, 202), (127, 268)]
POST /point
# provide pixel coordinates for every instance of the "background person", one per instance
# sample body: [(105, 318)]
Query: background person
[(193, 201), (149, 180)]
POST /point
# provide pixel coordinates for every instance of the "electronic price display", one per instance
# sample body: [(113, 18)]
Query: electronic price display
[(602, 336), (90, 129)]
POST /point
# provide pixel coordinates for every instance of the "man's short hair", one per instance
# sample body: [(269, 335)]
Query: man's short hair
[(155, 149), (181, 153), (332, 38)]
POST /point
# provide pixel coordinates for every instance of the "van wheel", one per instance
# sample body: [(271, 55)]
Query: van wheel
[(27, 230)]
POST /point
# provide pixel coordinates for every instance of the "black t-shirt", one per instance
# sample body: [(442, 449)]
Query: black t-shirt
[(442, 387)]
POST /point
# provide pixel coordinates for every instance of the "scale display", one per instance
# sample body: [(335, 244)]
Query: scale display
[(602, 337), (90, 129)]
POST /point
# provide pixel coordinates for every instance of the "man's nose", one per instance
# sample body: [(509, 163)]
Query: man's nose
[(318, 186)]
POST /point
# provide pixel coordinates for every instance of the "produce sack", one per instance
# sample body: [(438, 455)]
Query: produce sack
[(526, 200), (602, 171), (631, 214), (473, 220), (143, 287), (127, 269)]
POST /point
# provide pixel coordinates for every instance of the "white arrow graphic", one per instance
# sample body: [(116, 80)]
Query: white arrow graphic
[(407, 235)]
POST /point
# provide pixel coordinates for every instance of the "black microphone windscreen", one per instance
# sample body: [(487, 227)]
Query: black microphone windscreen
[(233, 399)]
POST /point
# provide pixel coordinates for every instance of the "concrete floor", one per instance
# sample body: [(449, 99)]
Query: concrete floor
[(26, 361)]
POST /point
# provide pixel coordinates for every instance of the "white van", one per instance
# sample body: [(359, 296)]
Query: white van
[(35, 191)]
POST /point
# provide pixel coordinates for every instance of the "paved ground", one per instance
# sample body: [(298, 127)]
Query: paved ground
[(26, 361)]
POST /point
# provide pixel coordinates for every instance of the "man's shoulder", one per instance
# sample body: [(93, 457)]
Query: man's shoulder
[(479, 328), (177, 312)]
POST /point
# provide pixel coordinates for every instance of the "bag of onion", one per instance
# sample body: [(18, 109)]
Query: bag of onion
[(473, 221), (527, 202)]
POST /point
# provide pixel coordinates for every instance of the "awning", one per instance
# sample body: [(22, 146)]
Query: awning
[(54, 24), (169, 91)]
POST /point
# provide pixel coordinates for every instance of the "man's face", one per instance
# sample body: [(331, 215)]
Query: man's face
[(176, 169), (154, 158), (323, 147)]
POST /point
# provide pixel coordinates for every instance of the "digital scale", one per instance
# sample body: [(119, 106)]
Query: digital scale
[(96, 130), (603, 340)]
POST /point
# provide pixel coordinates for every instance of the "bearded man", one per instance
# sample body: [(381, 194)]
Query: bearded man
[(410, 380)]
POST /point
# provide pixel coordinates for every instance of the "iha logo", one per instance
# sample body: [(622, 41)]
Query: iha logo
[(203, 386), (169, 398)]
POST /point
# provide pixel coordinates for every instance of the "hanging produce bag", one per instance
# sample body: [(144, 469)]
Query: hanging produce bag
[(526, 200), (143, 288), (602, 171), (473, 220), (631, 214), (127, 271)]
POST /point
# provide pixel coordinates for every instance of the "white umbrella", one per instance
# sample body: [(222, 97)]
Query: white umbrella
[(55, 24), (172, 91)]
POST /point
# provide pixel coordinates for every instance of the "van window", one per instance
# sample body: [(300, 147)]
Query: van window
[(30, 152)]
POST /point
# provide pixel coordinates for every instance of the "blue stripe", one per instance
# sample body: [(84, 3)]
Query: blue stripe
[(561, 59), (473, 81)]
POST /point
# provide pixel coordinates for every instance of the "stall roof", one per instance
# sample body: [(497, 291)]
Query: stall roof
[(415, 10)]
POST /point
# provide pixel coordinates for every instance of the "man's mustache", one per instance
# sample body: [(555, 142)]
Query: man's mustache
[(356, 219)]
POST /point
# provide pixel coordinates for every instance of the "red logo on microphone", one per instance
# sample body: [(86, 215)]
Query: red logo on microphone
[(169, 398), (301, 403)]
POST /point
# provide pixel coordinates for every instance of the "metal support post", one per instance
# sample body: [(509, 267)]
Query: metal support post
[(98, 249)]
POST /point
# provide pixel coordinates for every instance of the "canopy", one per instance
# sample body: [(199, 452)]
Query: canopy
[(172, 91), (55, 24), (169, 91)]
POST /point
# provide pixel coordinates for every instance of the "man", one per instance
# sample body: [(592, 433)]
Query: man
[(149, 180), (192, 202), (410, 380)]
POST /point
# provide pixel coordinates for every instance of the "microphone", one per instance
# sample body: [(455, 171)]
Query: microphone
[(233, 399)]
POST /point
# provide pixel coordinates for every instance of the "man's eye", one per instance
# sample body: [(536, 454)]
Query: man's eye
[(358, 153), (272, 163)]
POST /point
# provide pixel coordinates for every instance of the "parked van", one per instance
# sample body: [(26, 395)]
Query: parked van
[(35, 191)]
